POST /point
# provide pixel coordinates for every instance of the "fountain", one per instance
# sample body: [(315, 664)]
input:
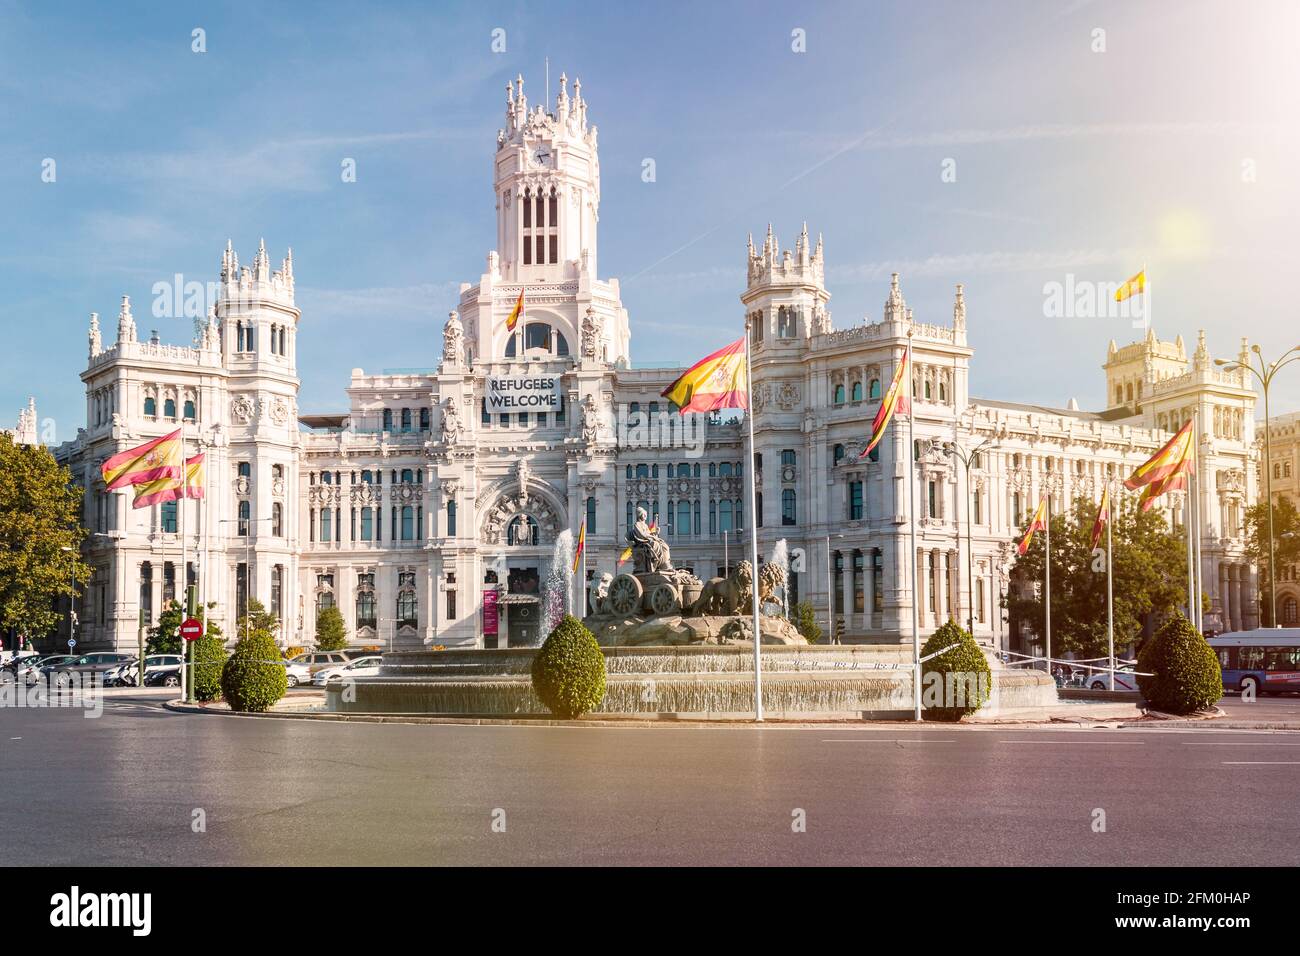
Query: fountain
[(780, 557), (673, 644), (559, 585)]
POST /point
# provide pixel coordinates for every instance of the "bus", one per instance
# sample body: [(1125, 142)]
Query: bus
[(1263, 661)]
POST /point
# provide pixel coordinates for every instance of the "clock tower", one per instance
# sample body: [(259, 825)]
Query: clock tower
[(547, 188)]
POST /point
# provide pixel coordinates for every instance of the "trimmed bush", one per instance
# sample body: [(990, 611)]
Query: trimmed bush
[(569, 670), (1185, 669), (962, 679), (254, 676), (209, 658)]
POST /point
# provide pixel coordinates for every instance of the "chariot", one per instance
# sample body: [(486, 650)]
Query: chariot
[(654, 592)]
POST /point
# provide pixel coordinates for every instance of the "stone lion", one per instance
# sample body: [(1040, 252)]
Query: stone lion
[(771, 583), (726, 596)]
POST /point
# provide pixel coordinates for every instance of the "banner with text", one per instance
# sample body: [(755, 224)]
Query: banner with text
[(523, 393)]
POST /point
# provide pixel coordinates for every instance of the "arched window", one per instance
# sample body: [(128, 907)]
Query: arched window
[(873, 390), (388, 419), (787, 507), (927, 391), (169, 408), (326, 525), (537, 335), (408, 523), (451, 519), (424, 419), (523, 530), (406, 419), (244, 514), (408, 476), (856, 392), (366, 609), (150, 406), (683, 517), (839, 395), (406, 608), (1289, 612), (189, 410)]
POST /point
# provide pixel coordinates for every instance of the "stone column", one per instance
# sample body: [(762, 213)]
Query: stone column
[(1233, 595), (846, 590)]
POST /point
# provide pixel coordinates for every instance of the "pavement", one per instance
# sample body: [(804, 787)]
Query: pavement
[(128, 787)]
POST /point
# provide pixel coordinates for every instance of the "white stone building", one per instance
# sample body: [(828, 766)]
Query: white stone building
[(411, 504)]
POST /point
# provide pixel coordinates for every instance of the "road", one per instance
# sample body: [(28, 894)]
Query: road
[(124, 788)]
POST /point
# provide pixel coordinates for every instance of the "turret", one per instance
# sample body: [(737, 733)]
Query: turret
[(125, 322)]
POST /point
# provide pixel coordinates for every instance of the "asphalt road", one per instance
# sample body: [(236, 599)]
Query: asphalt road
[(124, 789)]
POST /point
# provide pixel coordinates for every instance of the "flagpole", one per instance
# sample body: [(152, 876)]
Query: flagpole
[(1110, 591), (753, 534), (1196, 505), (911, 521), (582, 584), (188, 678), (1047, 513)]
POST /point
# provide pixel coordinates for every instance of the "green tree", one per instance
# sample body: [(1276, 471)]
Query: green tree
[(1150, 577), (957, 682), (1286, 545), (806, 622), (40, 538), (331, 635), (1185, 675), (569, 670), (165, 638), (258, 621), (209, 657)]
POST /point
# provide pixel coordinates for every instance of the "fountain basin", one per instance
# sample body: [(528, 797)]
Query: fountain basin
[(815, 682)]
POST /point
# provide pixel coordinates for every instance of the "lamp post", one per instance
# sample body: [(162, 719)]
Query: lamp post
[(1265, 374), (830, 592), (966, 456)]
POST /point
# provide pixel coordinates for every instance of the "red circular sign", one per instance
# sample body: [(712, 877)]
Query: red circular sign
[(192, 629)]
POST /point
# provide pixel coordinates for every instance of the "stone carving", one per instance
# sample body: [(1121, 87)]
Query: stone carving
[(241, 409), (451, 423), (725, 596), (453, 335), (599, 591), (590, 420), (522, 474), (592, 326), (279, 411), (771, 585), (650, 552)]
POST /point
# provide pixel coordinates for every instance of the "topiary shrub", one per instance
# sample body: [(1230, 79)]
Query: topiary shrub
[(956, 683), (209, 658), (1185, 669), (569, 670), (254, 676)]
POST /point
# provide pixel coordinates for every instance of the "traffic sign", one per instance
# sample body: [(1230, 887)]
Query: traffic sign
[(72, 642), (192, 629)]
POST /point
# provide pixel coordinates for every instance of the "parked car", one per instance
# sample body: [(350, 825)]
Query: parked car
[(297, 673), (17, 660), (163, 675), (1124, 680), (318, 661), (124, 675), (361, 667), (96, 665)]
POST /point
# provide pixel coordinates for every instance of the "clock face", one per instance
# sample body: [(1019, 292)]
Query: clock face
[(542, 156)]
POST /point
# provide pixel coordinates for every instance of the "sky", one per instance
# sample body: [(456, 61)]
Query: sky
[(1006, 146)]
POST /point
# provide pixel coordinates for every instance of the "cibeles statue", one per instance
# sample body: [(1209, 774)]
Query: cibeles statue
[(649, 551)]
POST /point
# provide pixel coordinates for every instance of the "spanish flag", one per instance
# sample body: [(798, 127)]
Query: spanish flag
[(582, 543), (1173, 460), (170, 489), (1103, 515), (1038, 524), (623, 558), (516, 313), (1134, 286), (1175, 482), (154, 460), (897, 399), (716, 381)]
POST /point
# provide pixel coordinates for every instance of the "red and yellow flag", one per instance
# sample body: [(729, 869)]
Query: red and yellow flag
[(1103, 515), (170, 489), (1176, 458), (582, 543), (625, 556), (1134, 286), (720, 380), (897, 399), (154, 460), (1039, 523), (516, 313), (1175, 482)]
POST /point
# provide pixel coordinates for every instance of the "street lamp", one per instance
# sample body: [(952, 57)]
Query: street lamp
[(966, 457), (1265, 374), (248, 559), (830, 591)]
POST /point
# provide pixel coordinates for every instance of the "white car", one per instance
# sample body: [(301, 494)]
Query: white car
[(297, 672), (361, 667), (1124, 680)]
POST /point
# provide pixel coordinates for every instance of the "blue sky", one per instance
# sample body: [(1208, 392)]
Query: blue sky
[(1068, 161)]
